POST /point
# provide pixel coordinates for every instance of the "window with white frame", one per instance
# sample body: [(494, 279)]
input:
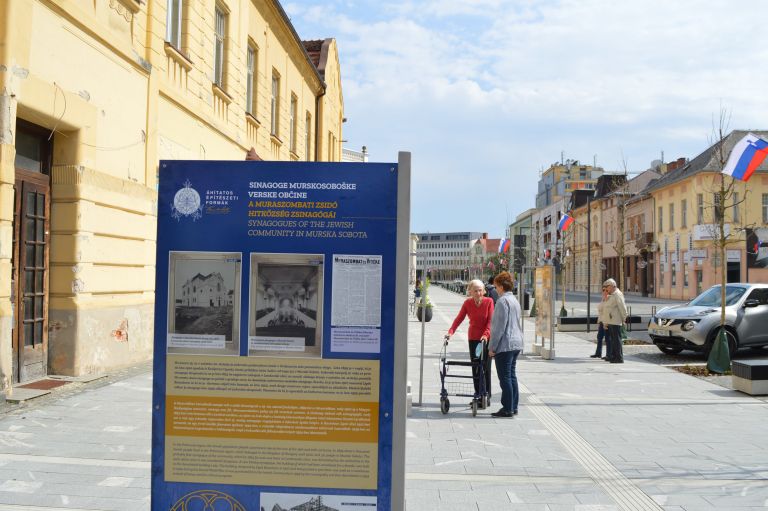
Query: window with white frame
[(684, 213), (699, 208), (765, 208), (292, 122), (275, 104), (717, 209), (661, 219), (173, 23), (219, 53), (672, 217), (251, 89)]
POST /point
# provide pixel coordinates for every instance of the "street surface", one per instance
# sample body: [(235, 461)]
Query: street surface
[(590, 436)]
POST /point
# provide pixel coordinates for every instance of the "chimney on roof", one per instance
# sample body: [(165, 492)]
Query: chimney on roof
[(674, 165)]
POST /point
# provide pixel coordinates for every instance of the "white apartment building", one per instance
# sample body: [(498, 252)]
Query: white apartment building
[(444, 256)]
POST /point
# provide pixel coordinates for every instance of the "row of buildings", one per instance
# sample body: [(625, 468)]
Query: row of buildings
[(655, 232), (92, 96), (448, 256)]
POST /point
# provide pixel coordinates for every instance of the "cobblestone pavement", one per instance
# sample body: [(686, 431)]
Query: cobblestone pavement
[(590, 436)]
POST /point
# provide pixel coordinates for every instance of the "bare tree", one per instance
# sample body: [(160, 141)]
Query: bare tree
[(723, 191), (564, 267), (619, 194), (535, 244)]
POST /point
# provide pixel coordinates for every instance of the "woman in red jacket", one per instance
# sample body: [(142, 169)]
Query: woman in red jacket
[(480, 310)]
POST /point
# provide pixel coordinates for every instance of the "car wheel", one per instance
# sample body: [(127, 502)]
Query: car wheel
[(669, 350), (730, 337)]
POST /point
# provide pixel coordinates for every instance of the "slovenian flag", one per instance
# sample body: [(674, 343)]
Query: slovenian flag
[(747, 155), (504, 245), (565, 222)]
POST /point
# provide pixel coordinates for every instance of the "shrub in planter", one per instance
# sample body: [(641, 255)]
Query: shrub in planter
[(427, 311), (424, 305)]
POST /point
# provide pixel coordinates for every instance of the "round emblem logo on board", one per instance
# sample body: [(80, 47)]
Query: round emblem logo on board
[(187, 202), (207, 499)]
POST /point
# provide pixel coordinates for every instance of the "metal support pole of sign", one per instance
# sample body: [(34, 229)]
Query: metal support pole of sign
[(520, 298), (421, 357), (400, 374), (589, 263), (554, 322)]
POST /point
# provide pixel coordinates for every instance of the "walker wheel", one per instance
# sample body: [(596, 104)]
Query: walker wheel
[(474, 408), (445, 405), (487, 401)]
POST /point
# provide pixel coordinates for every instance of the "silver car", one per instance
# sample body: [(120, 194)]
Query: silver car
[(693, 326)]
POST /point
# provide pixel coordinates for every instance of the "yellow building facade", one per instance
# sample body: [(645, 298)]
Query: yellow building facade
[(586, 248), (92, 95), (685, 221)]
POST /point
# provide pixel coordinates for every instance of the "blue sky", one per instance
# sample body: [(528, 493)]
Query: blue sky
[(487, 93)]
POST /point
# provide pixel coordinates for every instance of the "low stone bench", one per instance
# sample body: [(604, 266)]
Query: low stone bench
[(750, 376), (579, 323)]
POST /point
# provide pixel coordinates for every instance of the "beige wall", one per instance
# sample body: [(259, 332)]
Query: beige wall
[(750, 215), (577, 272), (101, 77)]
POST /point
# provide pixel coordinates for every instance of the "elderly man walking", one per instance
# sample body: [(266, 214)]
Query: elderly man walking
[(614, 315)]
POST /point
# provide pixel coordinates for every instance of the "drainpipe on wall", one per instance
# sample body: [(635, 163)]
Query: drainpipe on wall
[(317, 123)]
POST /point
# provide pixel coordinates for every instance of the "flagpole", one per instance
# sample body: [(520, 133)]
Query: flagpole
[(589, 261)]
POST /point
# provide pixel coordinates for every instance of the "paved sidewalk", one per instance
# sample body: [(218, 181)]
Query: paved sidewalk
[(590, 436), (85, 450)]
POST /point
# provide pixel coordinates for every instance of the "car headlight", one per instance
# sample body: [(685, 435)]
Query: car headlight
[(688, 325)]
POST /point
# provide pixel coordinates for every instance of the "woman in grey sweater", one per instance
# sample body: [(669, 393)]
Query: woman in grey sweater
[(506, 343)]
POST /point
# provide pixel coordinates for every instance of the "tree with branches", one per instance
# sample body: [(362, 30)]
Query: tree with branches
[(618, 195), (723, 190)]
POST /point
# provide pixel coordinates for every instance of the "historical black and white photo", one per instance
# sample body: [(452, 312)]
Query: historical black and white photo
[(204, 303), (285, 305), (309, 502)]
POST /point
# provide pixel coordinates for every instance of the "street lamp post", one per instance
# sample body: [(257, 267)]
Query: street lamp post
[(423, 304), (589, 262)]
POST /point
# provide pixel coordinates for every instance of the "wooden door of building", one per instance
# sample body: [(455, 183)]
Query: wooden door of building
[(29, 261), (30, 275)]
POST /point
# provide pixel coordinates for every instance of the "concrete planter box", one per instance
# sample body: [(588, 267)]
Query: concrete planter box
[(750, 377)]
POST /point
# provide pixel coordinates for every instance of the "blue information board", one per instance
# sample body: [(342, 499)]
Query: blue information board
[(275, 328)]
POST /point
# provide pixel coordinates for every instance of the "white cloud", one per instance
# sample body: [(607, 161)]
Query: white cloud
[(486, 92)]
